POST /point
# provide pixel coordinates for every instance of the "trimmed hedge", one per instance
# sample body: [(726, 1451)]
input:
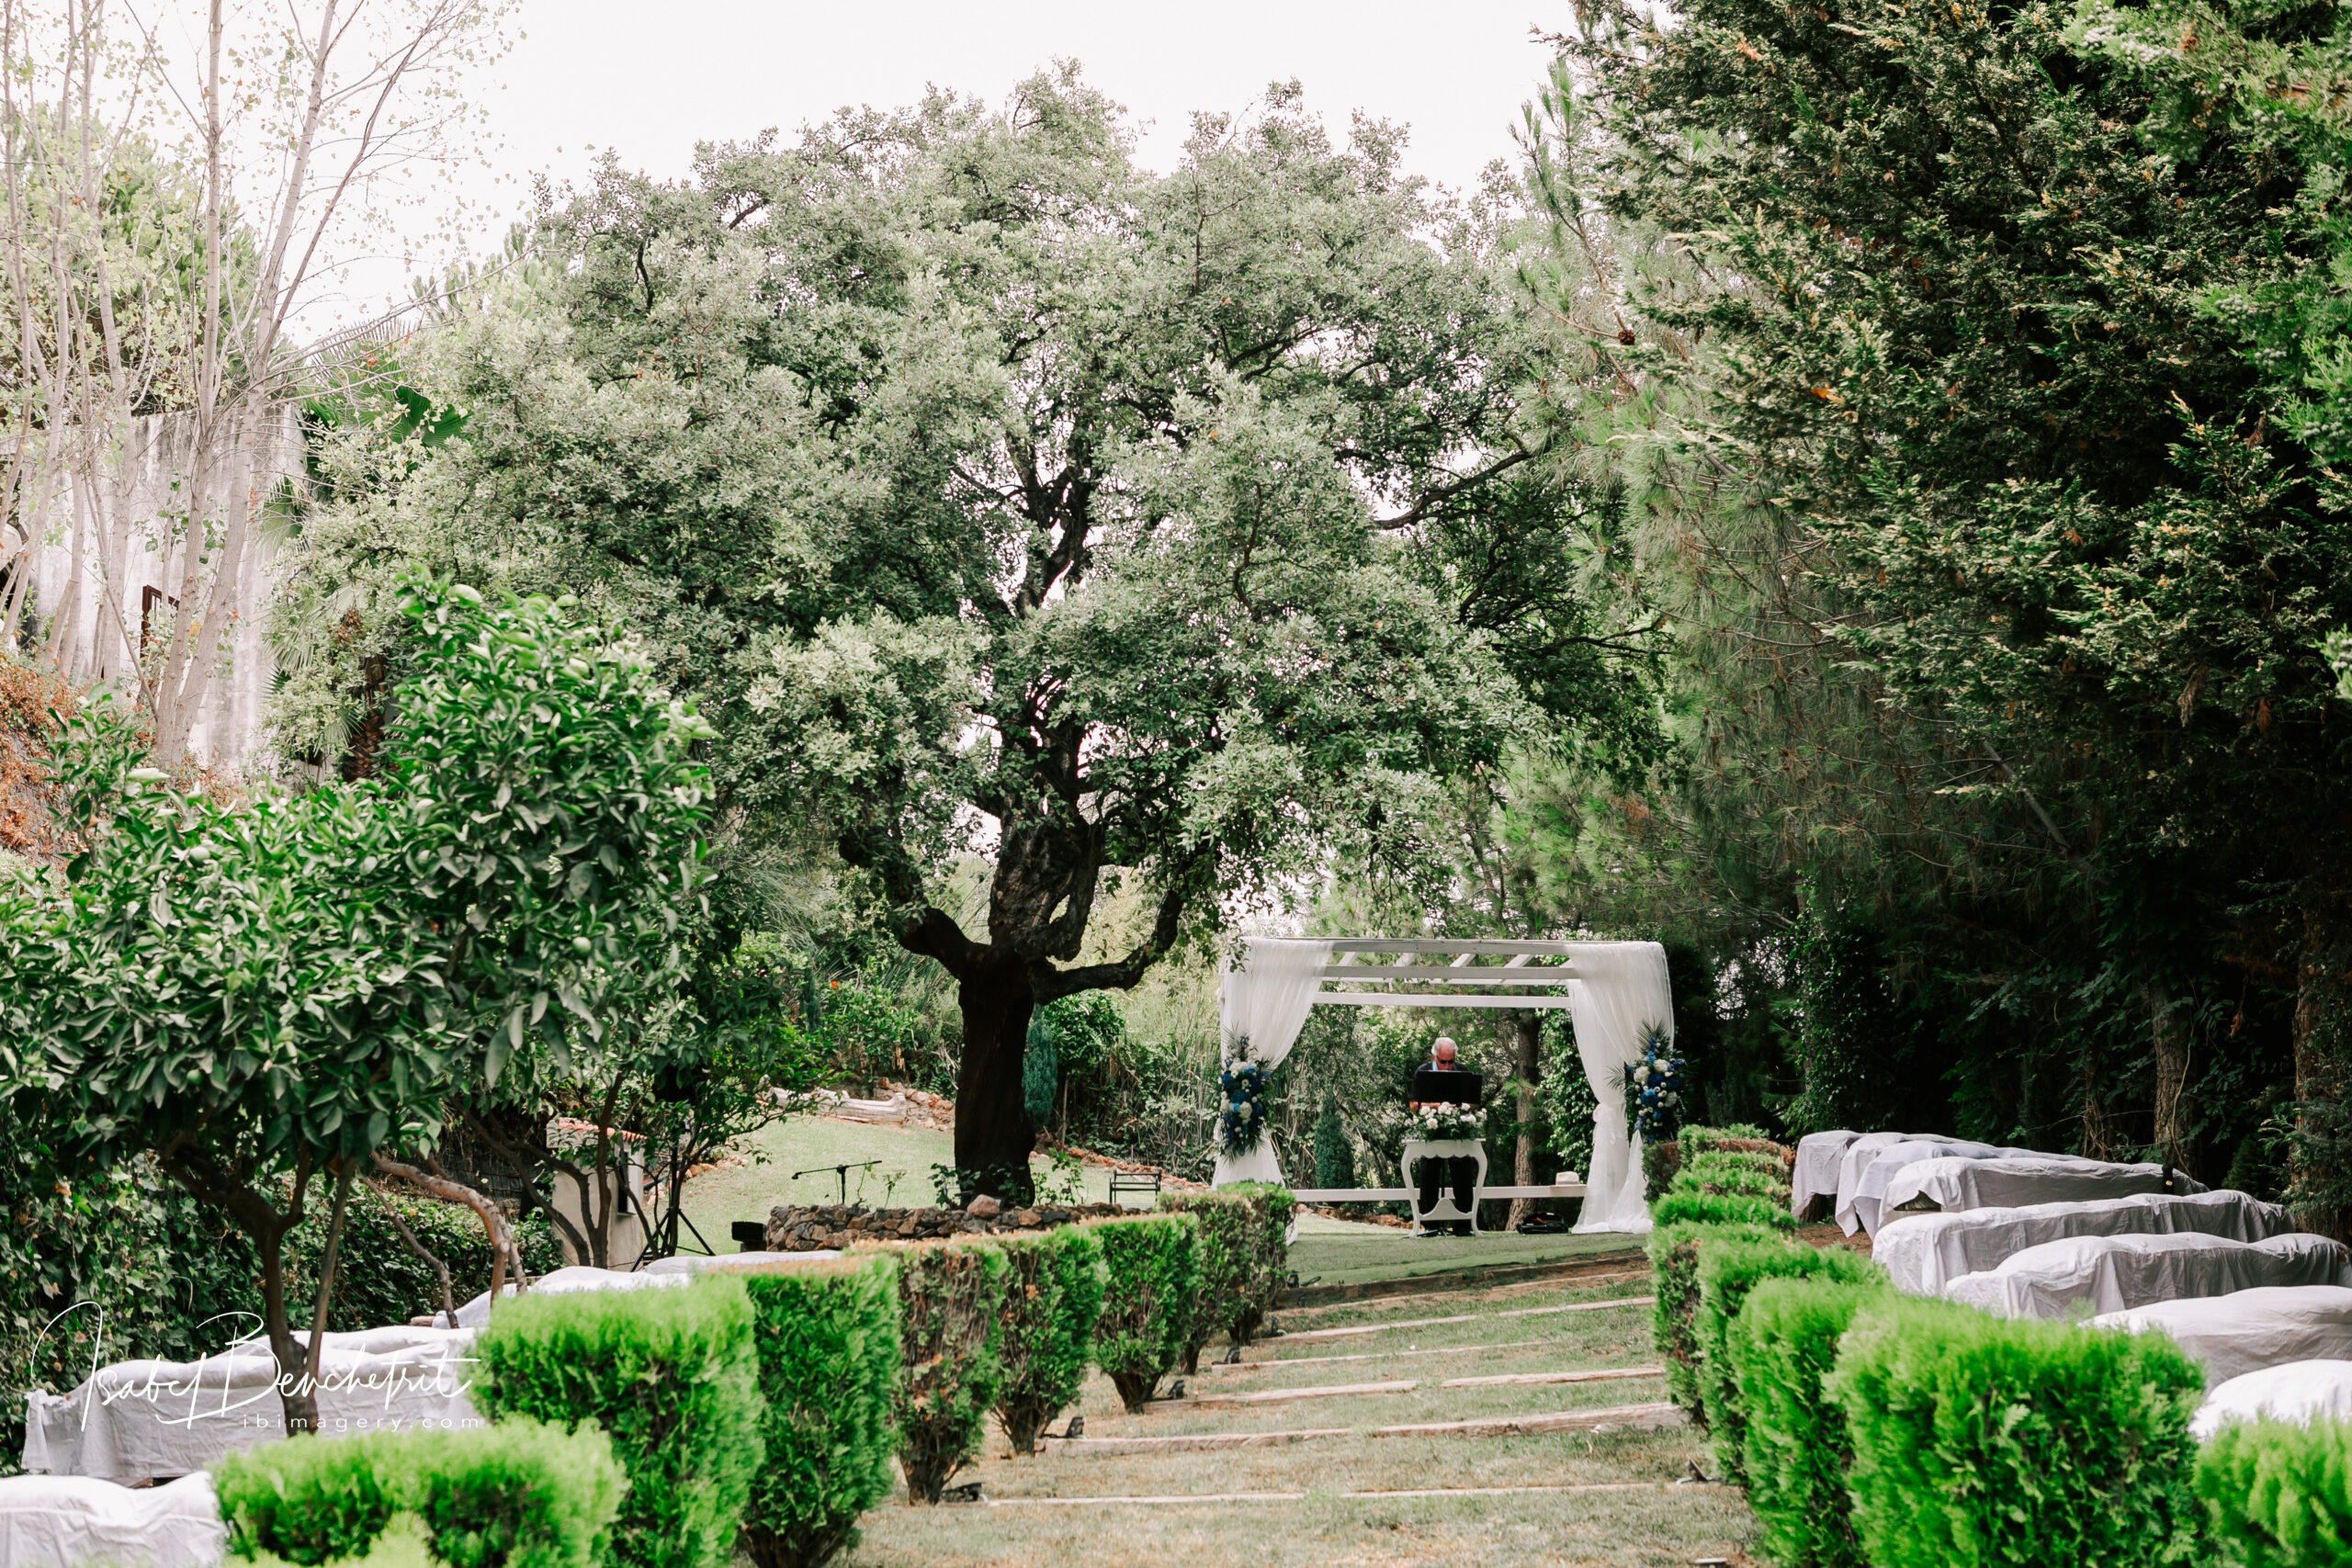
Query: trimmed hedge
[(1244, 1254), (952, 1311), (1716, 1176), (1052, 1296), (826, 1335), (518, 1495), (1683, 1208), (1153, 1279), (2279, 1494), (1674, 1270), (1795, 1450), (1728, 1269), (1981, 1440), (672, 1374)]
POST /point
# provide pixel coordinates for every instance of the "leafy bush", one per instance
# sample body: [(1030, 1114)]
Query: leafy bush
[(1335, 1152), (672, 1374), (1724, 1180), (952, 1309), (518, 1495), (1685, 1208), (1794, 1450), (1052, 1296), (1674, 1271), (2279, 1494), (826, 1335), (1728, 1272), (1981, 1440), (379, 1280), (1153, 1280), (1243, 1254)]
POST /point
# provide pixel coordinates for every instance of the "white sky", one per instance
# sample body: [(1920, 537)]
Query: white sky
[(649, 82)]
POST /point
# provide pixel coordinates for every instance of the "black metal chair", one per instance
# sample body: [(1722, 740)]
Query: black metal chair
[(1126, 1182)]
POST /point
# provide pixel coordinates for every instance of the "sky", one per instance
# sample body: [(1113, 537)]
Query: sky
[(649, 82)]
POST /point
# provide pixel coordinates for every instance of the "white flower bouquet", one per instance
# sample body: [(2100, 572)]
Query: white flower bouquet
[(1445, 1124)]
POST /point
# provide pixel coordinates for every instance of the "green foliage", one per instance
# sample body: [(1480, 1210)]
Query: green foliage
[(1335, 1152), (1728, 1271), (1980, 1441), (952, 1314), (1795, 1452), (380, 1280), (1729, 1176), (672, 1375), (1673, 1247), (516, 1494), (1041, 1072), (1053, 1298), (1241, 1255), (1152, 1288), (1677, 1208), (827, 1337), (2278, 1493)]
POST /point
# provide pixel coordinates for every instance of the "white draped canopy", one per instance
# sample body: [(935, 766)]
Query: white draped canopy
[(1617, 992)]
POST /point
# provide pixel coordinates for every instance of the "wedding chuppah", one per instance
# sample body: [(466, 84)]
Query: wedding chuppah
[(1616, 993)]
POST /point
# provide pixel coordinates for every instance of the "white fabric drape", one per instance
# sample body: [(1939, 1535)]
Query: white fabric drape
[(1620, 991), (1264, 1003)]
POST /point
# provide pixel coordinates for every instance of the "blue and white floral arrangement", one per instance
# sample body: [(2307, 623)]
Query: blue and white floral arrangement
[(1241, 1126), (1654, 1088)]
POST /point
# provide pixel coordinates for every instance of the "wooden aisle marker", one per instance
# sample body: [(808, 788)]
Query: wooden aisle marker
[(1312, 1391), (1194, 1441), (1178, 1499), (1597, 1374), (1613, 1418), (1367, 1356), (1470, 1317)]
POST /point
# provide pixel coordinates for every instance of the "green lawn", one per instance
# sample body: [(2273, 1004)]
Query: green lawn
[(902, 1180)]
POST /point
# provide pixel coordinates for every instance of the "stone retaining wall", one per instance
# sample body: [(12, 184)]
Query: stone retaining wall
[(795, 1227)]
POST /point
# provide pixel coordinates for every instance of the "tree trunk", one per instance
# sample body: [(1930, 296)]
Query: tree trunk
[(297, 1394), (993, 1133), (1529, 1027), (2175, 1116)]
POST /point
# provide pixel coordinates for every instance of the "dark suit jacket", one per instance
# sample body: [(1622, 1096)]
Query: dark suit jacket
[(1439, 1086)]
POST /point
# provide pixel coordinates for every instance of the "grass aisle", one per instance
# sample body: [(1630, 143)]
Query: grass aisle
[(1610, 1497)]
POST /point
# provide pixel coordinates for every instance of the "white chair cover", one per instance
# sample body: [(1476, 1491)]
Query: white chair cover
[(2116, 1273), (2248, 1330), (2300, 1392), (1265, 1003), (1923, 1253), (1620, 991), (1863, 1208), (1818, 1155), (2016, 1181), (75, 1521), (1856, 1160)]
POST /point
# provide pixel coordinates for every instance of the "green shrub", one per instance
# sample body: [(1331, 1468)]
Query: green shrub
[(379, 1280), (672, 1375), (1674, 1272), (1728, 1272), (1796, 1451), (1683, 1208), (1694, 1139), (518, 1495), (952, 1310), (1153, 1279), (1053, 1295), (2278, 1495), (826, 1335), (1981, 1440), (1703, 1181), (1243, 1255)]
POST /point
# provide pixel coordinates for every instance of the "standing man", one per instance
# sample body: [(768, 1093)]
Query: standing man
[(1441, 1081)]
